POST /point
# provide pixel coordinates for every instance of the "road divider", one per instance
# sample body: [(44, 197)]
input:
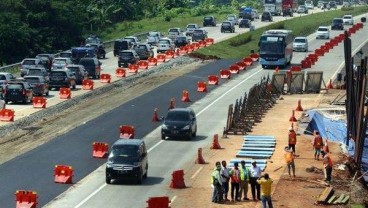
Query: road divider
[(39, 102), (185, 96), (7, 115), (177, 181), (63, 174), (65, 93), (201, 86), (133, 68), (213, 80), (26, 199), (225, 74), (127, 132), (100, 149), (158, 202), (105, 78), (142, 64), (87, 84)]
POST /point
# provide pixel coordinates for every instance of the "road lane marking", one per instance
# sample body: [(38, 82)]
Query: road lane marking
[(160, 142), (196, 173)]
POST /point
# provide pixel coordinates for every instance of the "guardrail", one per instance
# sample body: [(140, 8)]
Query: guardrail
[(109, 45)]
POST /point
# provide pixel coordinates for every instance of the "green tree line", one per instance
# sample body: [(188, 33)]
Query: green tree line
[(29, 27)]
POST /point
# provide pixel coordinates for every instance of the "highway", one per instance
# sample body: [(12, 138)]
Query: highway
[(33, 170)]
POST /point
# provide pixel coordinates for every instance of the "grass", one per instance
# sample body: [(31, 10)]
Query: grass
[(301, 26)]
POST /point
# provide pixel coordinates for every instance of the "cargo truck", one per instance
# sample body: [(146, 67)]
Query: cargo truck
[(273, 6)]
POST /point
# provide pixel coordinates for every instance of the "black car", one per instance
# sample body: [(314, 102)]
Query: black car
[(99, 50), (92, 66), (227, 27), (181, 41), (79, 71), (46, 60), (199, 35), (38, 84), (209, 21), (127, 57), (337, 24), (62, 78), (266, 16), (144, 51), (18, 91), (245, 23), (179, 122), (120, 45), (128, 159), (287, 12)]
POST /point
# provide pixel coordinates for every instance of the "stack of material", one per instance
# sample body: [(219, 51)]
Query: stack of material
[(328, 197), (257, 147)]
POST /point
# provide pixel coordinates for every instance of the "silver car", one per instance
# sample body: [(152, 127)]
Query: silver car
[(165, 44), (28, 63), (61, 63), (300, 44)]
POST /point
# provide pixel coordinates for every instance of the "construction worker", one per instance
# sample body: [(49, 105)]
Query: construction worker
[(325, 147), (289, 159), (225, 173), (327, 163), (265, 183), (255, 173), (244, 181), (292, 139), (235, 173), (216, 183), (317, 145)]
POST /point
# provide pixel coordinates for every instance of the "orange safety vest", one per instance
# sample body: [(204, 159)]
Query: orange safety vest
[(289, 157), (326, 149), (235, 176), (292, 137), (329, 161), (318, 142)]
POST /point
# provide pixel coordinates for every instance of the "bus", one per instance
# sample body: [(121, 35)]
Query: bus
[(276, 48)]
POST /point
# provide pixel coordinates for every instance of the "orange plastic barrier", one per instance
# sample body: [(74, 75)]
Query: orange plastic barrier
[(234, 69), (182, 50), (39, 102), (215, 142), (241, 65), (161, 57), (170, 54), (324, 48), (26, 199), (352, 30), (100, 149), (310, 59), (7, 115), (295, 68), (158, 202), (341, 37), (142, 64), (248, 61), (155, 115), (319, 52), (105, 78), (63, 174), (334, 42), (152, 61), (177, 180), (133, 68), (209, 41), (225, 74), (200, 159), (185, 96), (120, 72), (201, 87), (127, 132), (202, 43), (313, 58), (254, 57), (305, 63), (195, 45), (87, 84), (329, 44), (65, 93), (190, 48), (213, 79), (360, 25)]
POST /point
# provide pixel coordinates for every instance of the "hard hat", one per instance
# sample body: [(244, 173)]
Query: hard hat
[(291, 129)]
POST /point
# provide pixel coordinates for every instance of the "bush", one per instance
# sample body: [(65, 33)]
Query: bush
[(241, 40), (347, 8)]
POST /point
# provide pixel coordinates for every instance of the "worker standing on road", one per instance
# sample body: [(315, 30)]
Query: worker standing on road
[(327, 163), (235, 182), (325, 147), (292, 139), (225, 174), (289, 159), (216, 183), (317, 145), (255, 173), (244, 181), (266, 190)]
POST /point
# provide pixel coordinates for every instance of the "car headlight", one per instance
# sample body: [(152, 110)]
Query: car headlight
[(109, 165), (137, 164), (164, 126), (186, 127)]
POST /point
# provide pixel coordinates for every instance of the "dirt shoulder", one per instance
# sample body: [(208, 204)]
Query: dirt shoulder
[(304, 188)]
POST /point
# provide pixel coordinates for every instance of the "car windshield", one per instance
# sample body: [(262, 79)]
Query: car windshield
[(208, 18), (140, 47), (130, 39), (191, 26), (29, 62), (163, 42), (73, 68), (300, 40), (58, 73), (2, 77), (323, 29), (15, 86), (226, 24), (124, 154), (59, 61), (347, 17), (173, 30), (32, 80), (153, 34), (230, 18), (177, 116), (65, 55), (337, 21), (34, 71), (181, 38), (301, 7), (87, 62), (272, 48), (197, 32), (244, 21), (126, 54)]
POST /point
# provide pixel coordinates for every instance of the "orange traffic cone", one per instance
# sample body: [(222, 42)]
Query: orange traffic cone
[(155, 116), (185, 97), (215, 143), (299, 107), (292, 118), (200, 159), (172, 104), (330, 85)]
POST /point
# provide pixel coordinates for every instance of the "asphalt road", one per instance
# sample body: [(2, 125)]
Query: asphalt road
[(33, 170)]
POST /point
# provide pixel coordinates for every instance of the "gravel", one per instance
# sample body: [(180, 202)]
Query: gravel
[(25, 122)]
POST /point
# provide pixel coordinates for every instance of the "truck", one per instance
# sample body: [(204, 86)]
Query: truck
[(288, 7), (273, 6), (246, 13)]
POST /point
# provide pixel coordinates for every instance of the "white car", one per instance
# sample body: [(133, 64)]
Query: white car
[(190, 28), (300, 44), (165, 44), (323, 32), (234, 18), (61, 63), (348, 19)]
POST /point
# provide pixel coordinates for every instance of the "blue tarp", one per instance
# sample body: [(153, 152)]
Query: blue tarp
[(335, 130)]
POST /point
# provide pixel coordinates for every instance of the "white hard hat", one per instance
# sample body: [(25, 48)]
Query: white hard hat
[(291, 128)]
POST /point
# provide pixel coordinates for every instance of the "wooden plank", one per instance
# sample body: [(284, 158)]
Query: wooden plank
[(338, 200), (325, 195), (332, 198), (345, 200)]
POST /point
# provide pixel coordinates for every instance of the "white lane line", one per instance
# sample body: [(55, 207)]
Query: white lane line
[(160, 142), (172, 200), (196, 173)]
